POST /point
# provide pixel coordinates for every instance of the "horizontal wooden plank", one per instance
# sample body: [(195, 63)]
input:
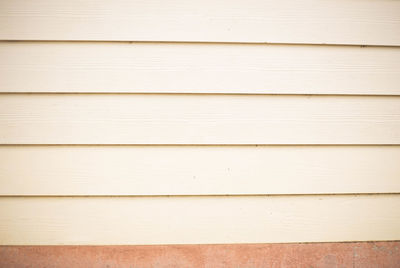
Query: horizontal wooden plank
[(197, 220), (368, 22), (197, 119), (358, 254), (198, 68), (198, 170)]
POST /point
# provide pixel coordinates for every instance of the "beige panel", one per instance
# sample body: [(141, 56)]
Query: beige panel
[(197, 119), (198, 68), (367, 22), (197, 220), (198, 170)]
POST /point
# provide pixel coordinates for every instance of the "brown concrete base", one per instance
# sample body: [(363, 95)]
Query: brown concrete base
[(364, 254)]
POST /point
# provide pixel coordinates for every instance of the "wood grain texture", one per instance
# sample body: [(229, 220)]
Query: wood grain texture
[(359, 254), (198, 68), (197, 220), (368, 22), (197, 119), (198, 170)]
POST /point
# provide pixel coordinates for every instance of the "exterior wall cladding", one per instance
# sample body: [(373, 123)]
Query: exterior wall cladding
[(186, 133)]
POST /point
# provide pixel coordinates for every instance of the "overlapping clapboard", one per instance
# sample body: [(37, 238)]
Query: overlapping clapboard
[(170, 122), (365, 22)]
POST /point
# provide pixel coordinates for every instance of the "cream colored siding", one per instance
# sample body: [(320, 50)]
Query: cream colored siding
[(198, 68), (198, 170), (359, 22), (173, 122), (198, 119), (194, 220)]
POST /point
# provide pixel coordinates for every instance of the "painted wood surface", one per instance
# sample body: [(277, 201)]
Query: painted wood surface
[(197, 220), (198, 68), (368, 22), (136, 122), (198, 170), (197, 119)]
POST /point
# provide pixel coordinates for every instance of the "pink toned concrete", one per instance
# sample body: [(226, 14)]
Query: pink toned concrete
[(365, 255)]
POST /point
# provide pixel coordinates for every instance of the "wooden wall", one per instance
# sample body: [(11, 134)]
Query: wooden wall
[(183, 122)]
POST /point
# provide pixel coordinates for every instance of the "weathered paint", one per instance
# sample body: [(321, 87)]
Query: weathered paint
[(362, 254)]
